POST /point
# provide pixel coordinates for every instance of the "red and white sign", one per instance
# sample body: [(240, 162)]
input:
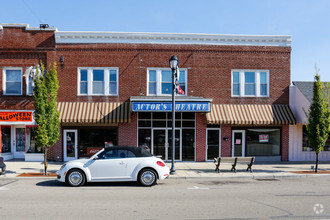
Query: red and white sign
[(263, 138), (93, 150)]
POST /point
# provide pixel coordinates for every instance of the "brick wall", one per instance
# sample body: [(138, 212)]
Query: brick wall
[(209, 68), (56, 152), (285, 143), (127, 132), (226, 145), (200, 138)]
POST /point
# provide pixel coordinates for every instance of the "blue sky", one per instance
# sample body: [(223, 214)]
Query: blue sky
[(308, 22)]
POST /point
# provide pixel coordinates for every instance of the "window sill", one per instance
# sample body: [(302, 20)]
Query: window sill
[(96, 95), (250, 97)]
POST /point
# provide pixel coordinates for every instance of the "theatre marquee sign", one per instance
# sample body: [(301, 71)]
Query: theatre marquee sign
[(167, 106)]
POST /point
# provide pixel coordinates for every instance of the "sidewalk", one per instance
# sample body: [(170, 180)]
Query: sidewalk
[(188, 170)]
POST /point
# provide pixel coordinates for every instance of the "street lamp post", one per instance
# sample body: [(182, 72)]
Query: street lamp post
[(173, 64)]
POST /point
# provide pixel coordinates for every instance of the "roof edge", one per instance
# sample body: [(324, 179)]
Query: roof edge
[(26, 26)]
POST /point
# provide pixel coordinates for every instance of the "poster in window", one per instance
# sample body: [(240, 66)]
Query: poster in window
[(238, 141), (263, 138), (108, 143)]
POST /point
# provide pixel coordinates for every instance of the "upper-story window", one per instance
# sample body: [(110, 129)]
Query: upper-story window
[(12, 81), (160, 81), (29, 87), (97, 81), (250, 83)]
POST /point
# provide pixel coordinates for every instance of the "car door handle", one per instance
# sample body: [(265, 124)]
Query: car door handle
[(122, 163)]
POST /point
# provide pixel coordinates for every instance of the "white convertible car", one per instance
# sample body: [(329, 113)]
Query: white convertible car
[(114, 164)]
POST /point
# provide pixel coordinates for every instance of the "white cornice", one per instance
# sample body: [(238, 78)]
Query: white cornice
[(73, 37), (26, 26)]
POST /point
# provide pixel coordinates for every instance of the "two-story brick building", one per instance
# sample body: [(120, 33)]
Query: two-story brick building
[(115, 88)]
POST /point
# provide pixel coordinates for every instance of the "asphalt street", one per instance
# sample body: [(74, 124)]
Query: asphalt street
[(289, 198)]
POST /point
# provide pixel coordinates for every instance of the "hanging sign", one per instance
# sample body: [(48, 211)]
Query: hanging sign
[(16, 116)]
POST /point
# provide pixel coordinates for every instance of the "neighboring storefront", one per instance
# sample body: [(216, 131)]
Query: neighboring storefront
[(254, 130), (301, 94), (88, 127), (17, 134)]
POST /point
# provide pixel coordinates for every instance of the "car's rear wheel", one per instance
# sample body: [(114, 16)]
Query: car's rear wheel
[(147, 177), (75, 178)]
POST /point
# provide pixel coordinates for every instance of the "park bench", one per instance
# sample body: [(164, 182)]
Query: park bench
[(234, 161)]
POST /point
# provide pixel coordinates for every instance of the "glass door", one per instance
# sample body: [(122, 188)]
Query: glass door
[(19, 142), (70, 145), (159, 143), (238, 143), (177, 144), (162, 143), (213, 149)]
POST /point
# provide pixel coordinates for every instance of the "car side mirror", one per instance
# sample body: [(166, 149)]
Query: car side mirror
[(96, 158)]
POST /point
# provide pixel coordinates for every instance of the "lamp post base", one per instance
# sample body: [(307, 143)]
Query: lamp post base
[(172, 172)]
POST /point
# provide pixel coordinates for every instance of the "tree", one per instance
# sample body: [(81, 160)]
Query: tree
[(46, 115), (319, 118)]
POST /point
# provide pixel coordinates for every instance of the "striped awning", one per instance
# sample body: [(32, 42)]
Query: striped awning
[(250, 114), (95, 112)]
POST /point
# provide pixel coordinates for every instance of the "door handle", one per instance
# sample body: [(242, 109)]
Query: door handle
[(122, 163)]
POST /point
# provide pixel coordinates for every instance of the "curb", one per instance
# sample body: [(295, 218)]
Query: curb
[(252, 176)]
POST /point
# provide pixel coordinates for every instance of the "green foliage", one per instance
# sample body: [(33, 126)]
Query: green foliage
[(46, 114), (319, 116)]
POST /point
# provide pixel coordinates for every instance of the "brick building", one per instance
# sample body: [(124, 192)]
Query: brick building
[(115, 88)]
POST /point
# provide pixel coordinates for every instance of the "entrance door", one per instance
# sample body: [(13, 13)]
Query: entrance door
[(159, 143), (213, 143), (70, 145), (238, 143), (162, 142), (19, 142), (177, 144)]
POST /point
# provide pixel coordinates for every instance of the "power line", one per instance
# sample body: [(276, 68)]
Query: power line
[(32, 12)]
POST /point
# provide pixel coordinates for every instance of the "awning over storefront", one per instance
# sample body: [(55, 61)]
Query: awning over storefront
[(250, 114), (95, 112)]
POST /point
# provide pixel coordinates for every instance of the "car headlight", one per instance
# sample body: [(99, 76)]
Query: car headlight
[(62, 167)]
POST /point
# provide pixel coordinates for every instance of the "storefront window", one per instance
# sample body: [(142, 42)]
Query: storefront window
[(145, 138), (305, 142), (94, 139), (263, 142), (30, 140), (154, 131), (5, 139)]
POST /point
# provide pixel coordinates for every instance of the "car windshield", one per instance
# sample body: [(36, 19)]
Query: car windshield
[(116, 152)]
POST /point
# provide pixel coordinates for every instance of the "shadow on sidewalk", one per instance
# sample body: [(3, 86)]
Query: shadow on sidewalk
[(55, 183)]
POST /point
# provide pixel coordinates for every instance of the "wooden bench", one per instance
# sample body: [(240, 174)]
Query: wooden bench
[(234, 161)]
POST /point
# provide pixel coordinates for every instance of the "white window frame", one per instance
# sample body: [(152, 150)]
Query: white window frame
[(159, 82), (28, 86), (90, 80), (242, 82), (5, 80)]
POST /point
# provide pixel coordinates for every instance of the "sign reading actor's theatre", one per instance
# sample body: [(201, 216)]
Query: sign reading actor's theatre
[(167, 106), (19, 116)]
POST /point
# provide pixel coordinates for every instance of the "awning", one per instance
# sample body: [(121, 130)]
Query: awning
[(95, 112), (250, 114)]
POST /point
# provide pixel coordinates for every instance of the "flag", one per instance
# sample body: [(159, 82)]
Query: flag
[(180, 91)]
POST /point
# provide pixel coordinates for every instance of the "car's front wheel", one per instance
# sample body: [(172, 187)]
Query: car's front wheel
[(147, 177), (75, 178)]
